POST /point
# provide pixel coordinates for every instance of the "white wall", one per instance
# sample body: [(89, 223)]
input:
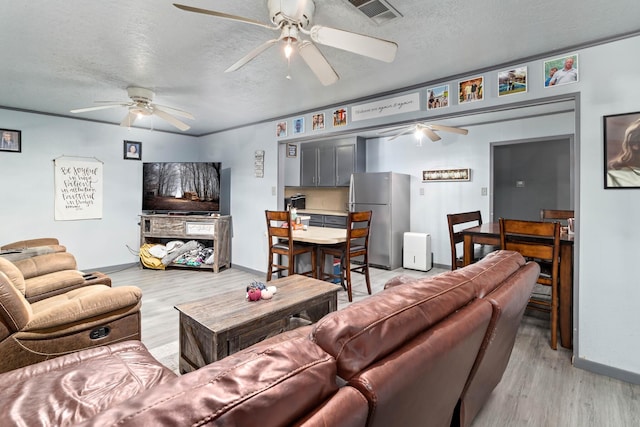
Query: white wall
[(607, 231), (429, 211), (27, 192)]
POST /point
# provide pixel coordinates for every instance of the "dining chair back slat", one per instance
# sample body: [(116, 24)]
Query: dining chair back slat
[(279, 234), (540, 242)]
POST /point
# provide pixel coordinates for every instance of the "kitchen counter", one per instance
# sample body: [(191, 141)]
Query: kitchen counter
[(321, 212)]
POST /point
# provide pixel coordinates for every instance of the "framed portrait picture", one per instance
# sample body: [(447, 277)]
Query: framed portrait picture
[(298, 125), (340, 117), (281, 129), (438, 97), (622, 150), (132, 150), (292, 150), (317, 121), (561, 71), (11, 140), (471, 90), (512, 81)]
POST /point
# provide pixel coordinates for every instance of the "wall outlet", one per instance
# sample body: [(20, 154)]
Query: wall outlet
[(422, 191), (273, 191), (483, 192)]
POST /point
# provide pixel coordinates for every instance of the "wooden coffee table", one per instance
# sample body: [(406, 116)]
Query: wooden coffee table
[(215, 327)]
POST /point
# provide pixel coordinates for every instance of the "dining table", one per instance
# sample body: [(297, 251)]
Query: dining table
[(489, 234), (320, 236)]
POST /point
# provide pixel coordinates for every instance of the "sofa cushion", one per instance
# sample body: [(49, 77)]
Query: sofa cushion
[(45, 264), (79, 306), (50, 284), (368, 330), (13, 273), (75, 387), (265, 384)]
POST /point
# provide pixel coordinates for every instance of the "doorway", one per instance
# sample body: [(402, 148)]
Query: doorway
[(529, 175)]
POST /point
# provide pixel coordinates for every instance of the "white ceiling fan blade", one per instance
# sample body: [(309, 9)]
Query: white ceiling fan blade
[(382, 50), (393, 129), (169, 118), (429, 133), (318, 63), (224, 16), (251, 55), (129, 119), (174, 111), (404, 132), (450, 129), (100, 107)]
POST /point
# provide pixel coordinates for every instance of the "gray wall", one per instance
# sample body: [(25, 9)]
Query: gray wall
[(529, 176)]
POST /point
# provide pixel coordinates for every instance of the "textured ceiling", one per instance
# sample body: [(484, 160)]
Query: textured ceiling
[(57, 56)]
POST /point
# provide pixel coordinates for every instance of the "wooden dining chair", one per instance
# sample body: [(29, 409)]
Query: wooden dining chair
[(556, 214), (538, 241), (457, 223), (356, 246), (279, 230)]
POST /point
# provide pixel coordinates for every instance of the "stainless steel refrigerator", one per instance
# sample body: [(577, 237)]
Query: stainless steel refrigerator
[(387, 195)]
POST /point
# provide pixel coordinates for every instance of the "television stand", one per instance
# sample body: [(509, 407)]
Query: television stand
[(212, 231)]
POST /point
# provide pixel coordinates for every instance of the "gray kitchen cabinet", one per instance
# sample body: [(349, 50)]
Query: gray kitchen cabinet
[(330, 163)]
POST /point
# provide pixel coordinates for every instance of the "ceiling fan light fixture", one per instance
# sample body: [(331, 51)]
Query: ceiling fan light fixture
[(288, 49)]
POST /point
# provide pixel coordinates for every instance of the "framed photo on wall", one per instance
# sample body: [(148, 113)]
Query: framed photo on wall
[(292, 150), (298, 125), (318, 121), (437, 97), (622, 151), (132, 150), (340, 117), (471, 90), (281, 129), (512, 81), (11, 140), (561, 71)]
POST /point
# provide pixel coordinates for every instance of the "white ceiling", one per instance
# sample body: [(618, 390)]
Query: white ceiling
[(61, 55)]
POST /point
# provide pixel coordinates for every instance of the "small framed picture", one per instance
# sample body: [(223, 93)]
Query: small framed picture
[(281, 129), (11, 140), (561, 71), (512, 81), (317, 121), (132, 150), (298, 125), (340, 117), (292, 150), (471, 90), (622, 151), (438, 97)]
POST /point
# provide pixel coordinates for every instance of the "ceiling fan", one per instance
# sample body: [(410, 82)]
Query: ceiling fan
[(423, 129), (141, 105), (292, 19)]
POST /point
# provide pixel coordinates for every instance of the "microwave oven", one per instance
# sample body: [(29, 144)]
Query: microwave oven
[(298, 201)]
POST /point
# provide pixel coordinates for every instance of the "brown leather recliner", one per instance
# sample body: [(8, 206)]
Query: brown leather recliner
[(82, 318), (44, 276)]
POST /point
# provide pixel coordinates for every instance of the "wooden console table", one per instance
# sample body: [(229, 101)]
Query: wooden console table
[(215, 230), (220, 325)]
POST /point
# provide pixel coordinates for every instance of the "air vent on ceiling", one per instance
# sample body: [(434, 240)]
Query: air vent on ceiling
[(379, 11)]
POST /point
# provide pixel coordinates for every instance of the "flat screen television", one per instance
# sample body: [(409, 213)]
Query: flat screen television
[(181, 187)]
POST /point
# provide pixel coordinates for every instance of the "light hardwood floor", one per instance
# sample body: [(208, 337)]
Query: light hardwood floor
[(540, 386)]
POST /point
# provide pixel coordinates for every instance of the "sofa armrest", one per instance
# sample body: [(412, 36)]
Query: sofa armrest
[(399, 280), (73, 388), (15, 312)]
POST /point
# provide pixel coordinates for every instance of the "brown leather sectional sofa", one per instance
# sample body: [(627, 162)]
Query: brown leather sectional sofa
[(421, 352)]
